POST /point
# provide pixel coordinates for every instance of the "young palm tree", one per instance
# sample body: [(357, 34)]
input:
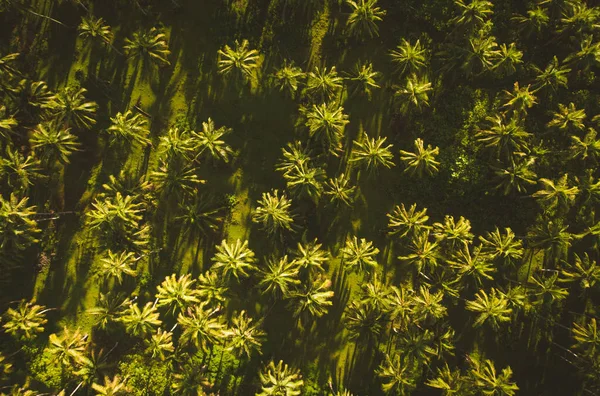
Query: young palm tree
[(492, 308), (17, 228), (209, 141), (200, 326), (324, 84), (397, 375), (128, 127), (414, 94), (422, 160), (359, 256), (279, 277), (452, 233), (115, 265), (287, 78), (95, 29), (69, 347), (192, 378), (504, 137), (568, 118), (364, 17), (473, 14), (519, 100), (424, 253), (235, 259), (371, 153), (160, 345), (140, 322), (25, 322), (418, 346), (364, 79), (244, 337), (311, 256), (505, 247), (556, 195), (115, 386), (273, 213), (313, 300), (242, 61), (409, 58), (328, 122), (516, 176), (19, 171), (488, 382), (403, 222), (177, 293), (70, 107), (553, 76), (584, 270), (148, 47), (53, 143), (280, 380), (339, 190)]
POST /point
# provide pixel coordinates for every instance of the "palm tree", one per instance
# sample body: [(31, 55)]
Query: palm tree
[(212, 288), (450, 383), (508, 58), (363, 321), (414, 94), (175, 146), (551, 236), (424, 253), (371, 153), (204, 216), (310, 255), (505, 247), (452, 233), (568, 118), (517, 176), (19, 171), (488, 382), (287, 78), (504, 138), (588, 147), (69, 347), (492, 308), (587, 338), (377, 294), (359, 256), (8, 123), (115, 265), (148, 47), (242, 61), (364, 17), (173, 179), (397, 375), (403, 222), (294, 155), (114, 386), (25, 322), (70, 107), (584, 270), (340, 190), (364, 79), (273, 213), (313, 300), (279, 277), (547, 290), (305, 181), (409, 58), (128, 127), (557, 195), (200, 326), (160, 344), (235, 259), (177, 294), (519, 100), (243, 336), (534, 21), (95, 29), (5, 367), (553, 76), (473, 14), (34, 98), (117, 218), (280, 380), (578, 18), (53, 143), (323, 83), (422, 160), (417, 346), (328, 121), (140, 322), (192, 378), (108, 308), (17, 228), (400, 307), (480, 55), (476, 265), (427, 306), (209, 140), (587, 56)]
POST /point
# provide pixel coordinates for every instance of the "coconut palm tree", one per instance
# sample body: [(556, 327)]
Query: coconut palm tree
[(115, 265), (312, 300), (273, 213), (209, 141), (376, 293), (95, 29), (200, 326), (363, 321), (324, 84), (305, 181), (453, 233), (244, 337), (534, 21), (588, 147), (177, 294), (577, 18), (128, 127), (204, 216), (519, 100), (160, 344), (364, 79), (568, 118), (69, 347), (175, 146), (422, 160), (140, 322), (417, 346), (423, 252), (234, 259), (25, 322), (359, 256), (212, 288), (280, 380), (310, 256), (33, 98), (287, 78), (241, 61), (294, 155), (547, 291), (587, 56), (414, 94), (17, 228), (554, 75), (192, 378), (117, 219), (115, 386), (556, 195), (19, 171), (584, 270), (472, 14), (508, 58), (504, 137), (108, 308), (427, 306), (476, 265), (587, 338), (339, 190), (71, 108), (364, 17), (173, 179), (403, 222), (480, 55), (328, 122), (488, 382), (279, 277), (148, 47), (409, 58), (52, 143), (505, 247), (400, 307), (516, 176), (372, 153), (397, 375), (8, 123), (551, 236), (492, 308), (449, 382)]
